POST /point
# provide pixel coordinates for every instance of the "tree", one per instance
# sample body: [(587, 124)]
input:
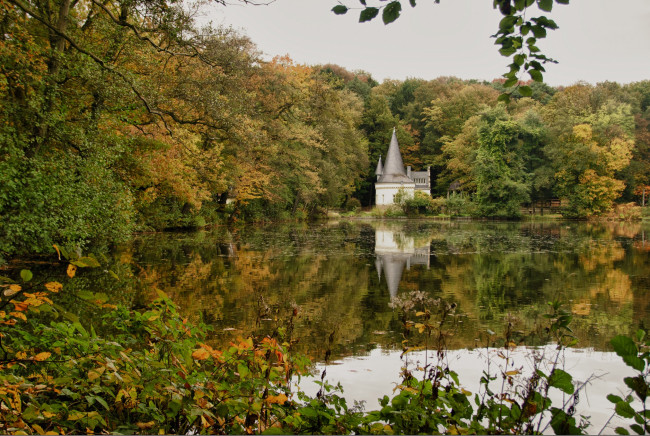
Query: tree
[(585, 170), (591, 147), (501, 182)]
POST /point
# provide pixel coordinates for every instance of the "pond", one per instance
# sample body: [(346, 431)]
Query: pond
[(342, 276), (344, 279)]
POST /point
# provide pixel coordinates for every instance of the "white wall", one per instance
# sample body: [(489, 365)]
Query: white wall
[(385, 192)]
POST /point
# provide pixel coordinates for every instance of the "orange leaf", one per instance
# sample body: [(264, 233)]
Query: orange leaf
[(276, 399), (42, 356), (21, 305), (18, 315), (54, 286), (201, 354), (72, 269)]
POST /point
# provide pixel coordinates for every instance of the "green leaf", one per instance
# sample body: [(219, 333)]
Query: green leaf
[(638, 385), (526, 91), (627, 349), (561, 380), (368, 14), (624, 409), (637, 428), (519, 59), (536, 75), (101, 297), (26, 275), (391, 12), (538, 31), (363, 2), (412, 2), (274, 430), (507, 51), (505, 98), (562, 2), (621, 430), (614, 398), (339, 9), (507, 22), (510, 82), (640, 334), (90, 262), (545, 5), (85, 295), (242, 370), (634, 362)]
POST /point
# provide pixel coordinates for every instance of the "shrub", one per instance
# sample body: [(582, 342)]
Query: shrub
[(459, 205), (352, 205), (437, 206), (628, 212)]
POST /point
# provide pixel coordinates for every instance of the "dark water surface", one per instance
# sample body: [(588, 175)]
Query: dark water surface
[(342, 277)]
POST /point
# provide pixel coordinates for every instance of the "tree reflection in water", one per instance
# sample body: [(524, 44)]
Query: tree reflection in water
[(342, 277)]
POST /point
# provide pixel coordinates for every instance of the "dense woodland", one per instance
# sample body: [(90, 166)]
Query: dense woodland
[(125, 116)]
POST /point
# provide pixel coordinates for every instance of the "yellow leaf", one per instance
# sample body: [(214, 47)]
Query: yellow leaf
[(513, 372), (33, 302), (51, 433), (13, 289), (420, 327), (201, 354), (42, 356), (21, 355), (53, 286), (204, 422), (96, 373), (74, 416), (420, 313), (465, 392), (57, 250), (48, 414), (72, 269), (276, 399), (145, 425), (38, 428)]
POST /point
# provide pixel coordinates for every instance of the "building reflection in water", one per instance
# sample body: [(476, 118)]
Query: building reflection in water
[(394, 251)]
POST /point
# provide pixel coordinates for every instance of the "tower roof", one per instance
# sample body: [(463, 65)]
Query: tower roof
[(380, 168), (394, 167)]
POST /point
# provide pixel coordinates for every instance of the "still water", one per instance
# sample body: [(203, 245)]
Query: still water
[(344, 277)]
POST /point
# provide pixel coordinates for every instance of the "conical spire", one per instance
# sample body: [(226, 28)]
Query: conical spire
[(380, 168), (393, 171)]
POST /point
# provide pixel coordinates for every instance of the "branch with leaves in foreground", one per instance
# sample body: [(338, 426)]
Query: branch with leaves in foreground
[(517, 35)]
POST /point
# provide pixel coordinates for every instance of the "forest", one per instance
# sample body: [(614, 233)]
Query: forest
[(118, 117)]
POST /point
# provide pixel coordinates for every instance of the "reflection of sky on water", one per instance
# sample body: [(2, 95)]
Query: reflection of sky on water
[(370, 377)]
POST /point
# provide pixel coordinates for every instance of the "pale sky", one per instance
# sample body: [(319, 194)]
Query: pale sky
[(598, 40)]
